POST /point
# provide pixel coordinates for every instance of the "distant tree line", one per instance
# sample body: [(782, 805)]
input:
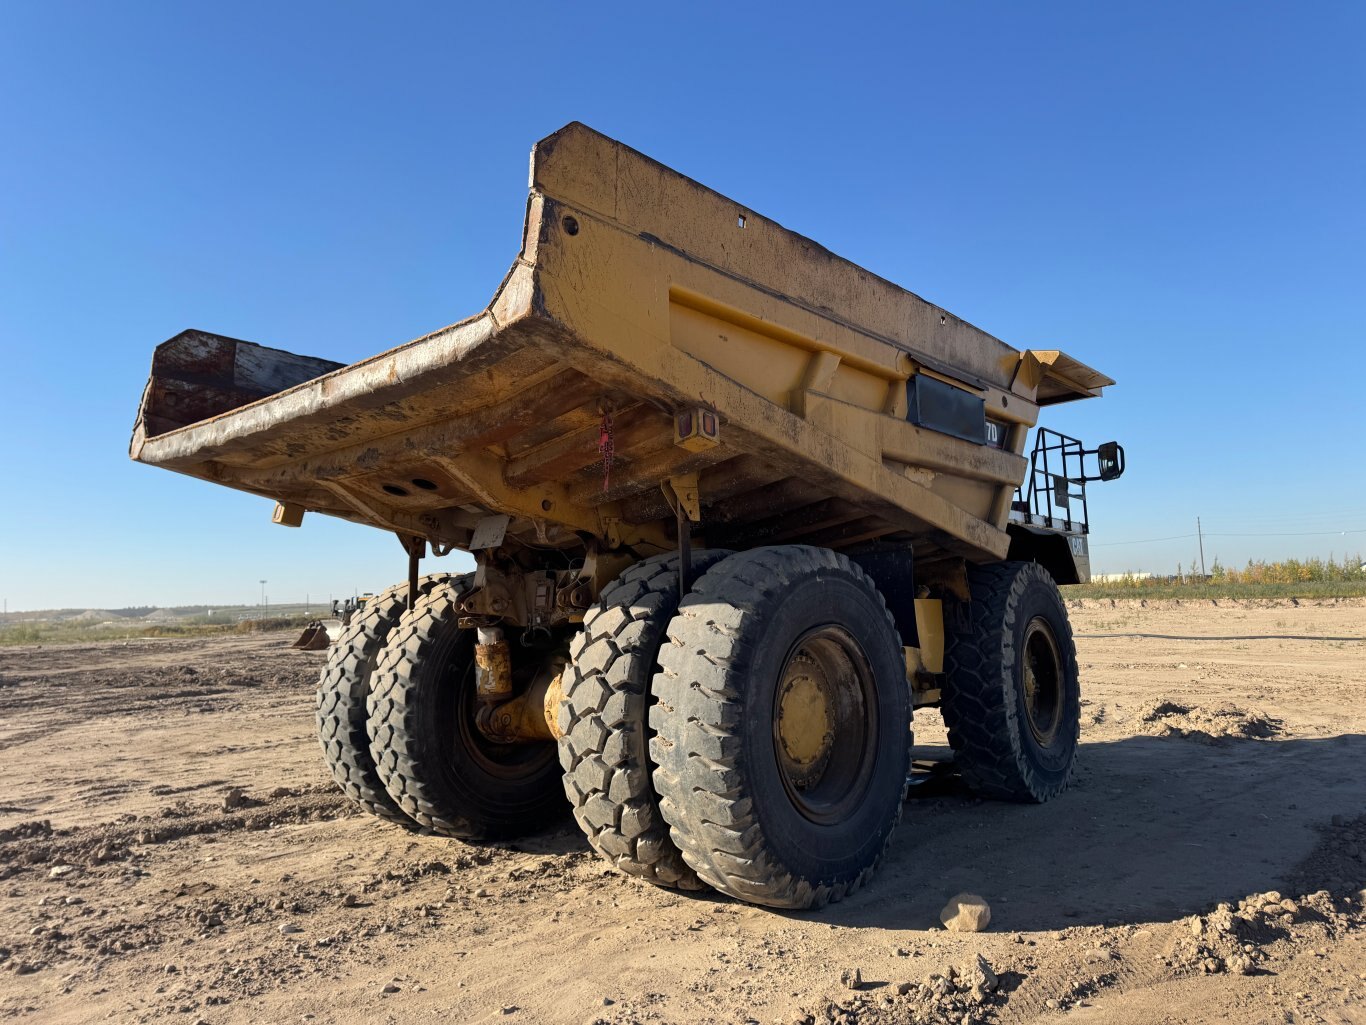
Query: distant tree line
[(1292, 571), (1281, 578)]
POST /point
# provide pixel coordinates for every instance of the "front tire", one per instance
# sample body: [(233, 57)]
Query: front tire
[(1012, 703), (782, 723)]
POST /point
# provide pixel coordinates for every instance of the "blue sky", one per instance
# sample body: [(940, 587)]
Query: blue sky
[(1173, 193)]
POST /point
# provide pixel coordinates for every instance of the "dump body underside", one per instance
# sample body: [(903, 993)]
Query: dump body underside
[(639, 297)]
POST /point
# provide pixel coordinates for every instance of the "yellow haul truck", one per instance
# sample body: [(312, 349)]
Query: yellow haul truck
[(736, 506)]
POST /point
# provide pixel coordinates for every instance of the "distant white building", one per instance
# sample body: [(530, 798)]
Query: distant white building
[(1118, 578)]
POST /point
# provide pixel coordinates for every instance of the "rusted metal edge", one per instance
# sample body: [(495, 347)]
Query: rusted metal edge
[(371, 379)]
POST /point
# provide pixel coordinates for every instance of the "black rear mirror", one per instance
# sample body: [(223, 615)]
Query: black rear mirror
[(1111, 456)]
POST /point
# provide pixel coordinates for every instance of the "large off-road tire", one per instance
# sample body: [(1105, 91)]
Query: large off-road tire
[(1012, 699), (604, 721), (428, 752), (343, 687), (782, 727)]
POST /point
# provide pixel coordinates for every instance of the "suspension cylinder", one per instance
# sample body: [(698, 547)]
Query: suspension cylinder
[(492, 665)]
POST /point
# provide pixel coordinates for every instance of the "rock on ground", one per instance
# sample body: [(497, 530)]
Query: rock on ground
[(966, 912)]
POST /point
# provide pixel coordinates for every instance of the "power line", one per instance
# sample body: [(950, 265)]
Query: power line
[(1211, 533), (1144, 541), (1302, 533)]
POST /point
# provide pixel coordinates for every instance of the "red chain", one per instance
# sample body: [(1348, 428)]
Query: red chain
[(607, 447)]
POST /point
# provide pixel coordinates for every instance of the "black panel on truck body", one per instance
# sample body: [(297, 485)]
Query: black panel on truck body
[(942, 407)]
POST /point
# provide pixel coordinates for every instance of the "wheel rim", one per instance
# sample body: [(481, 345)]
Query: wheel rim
[(824, 724), (1041, 671), (458, 707)]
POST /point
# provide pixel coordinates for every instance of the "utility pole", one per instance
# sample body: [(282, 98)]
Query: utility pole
[(1200, 533), (263, 596)]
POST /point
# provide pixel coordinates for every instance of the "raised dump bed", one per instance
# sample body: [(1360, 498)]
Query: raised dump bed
[(665, 377)]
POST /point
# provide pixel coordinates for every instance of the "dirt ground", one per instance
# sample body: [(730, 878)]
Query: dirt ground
[(1206, 865)]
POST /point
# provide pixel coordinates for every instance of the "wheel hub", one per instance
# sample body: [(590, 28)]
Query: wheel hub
[(1041, 681), (824, 719), (804, 720)]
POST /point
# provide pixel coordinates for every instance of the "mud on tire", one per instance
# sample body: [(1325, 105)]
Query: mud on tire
[(343, 686), (604, 748), (742, 820), (1012, 701), (428, 752)]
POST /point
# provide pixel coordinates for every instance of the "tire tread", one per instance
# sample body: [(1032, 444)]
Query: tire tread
[(340, 701), (394, 726), (698, 743), (984, 726), (604, 721)]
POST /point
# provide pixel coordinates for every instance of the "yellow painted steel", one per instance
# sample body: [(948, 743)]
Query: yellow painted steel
[(929, 626), (639, 297), (803, 720)]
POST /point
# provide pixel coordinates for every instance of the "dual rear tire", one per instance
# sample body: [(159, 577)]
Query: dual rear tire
[(343, 688), (782, 727), (753, 738), (434, 762), (603, 721), (395, 709)]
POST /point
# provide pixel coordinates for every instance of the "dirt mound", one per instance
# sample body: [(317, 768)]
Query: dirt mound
[(1165, 718), (162, 616), (1265, 928)]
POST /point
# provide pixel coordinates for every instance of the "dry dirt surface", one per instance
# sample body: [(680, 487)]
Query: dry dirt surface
[(172, 850)]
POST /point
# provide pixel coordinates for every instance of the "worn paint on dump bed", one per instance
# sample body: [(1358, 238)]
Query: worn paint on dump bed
[(638, 294)]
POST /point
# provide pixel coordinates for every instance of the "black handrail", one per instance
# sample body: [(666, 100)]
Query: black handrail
[(1056, 480)]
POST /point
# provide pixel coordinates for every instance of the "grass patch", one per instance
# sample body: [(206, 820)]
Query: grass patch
[(87, 633), (1196, 590), (1286, 578)]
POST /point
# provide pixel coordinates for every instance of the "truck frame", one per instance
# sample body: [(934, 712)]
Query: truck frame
[(736, 506)]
